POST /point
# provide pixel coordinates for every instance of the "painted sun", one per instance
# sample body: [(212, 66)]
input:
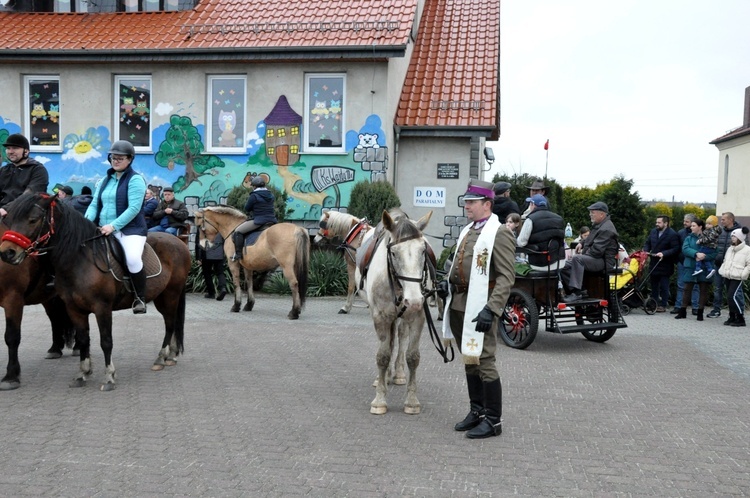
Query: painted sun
[(93, 144)]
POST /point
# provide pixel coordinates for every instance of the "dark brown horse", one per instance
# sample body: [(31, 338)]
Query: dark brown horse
[(84, 269), (22, 285)]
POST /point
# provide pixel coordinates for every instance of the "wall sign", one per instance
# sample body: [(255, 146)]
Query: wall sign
[(447, 171), (429, 197)]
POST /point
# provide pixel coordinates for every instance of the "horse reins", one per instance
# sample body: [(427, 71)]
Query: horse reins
[(38, 246)]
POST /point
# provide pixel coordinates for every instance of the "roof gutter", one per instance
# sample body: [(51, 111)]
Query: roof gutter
[(446, 131)]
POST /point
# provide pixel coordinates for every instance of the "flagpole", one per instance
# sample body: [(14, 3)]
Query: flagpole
[(546, 160)]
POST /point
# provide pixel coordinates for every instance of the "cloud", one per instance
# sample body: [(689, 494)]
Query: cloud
[(42, 159), (163, 108)]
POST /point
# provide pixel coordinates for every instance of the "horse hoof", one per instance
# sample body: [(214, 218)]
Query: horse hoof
[(399, 381), (77, 383), (107, 387), (343, 312), (53, 355), (235, 308), (248, 307), (378, 410), (412, 410), (156, 367), (9, 385), (170, 362)]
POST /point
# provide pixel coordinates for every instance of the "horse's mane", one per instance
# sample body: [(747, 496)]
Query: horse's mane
[(227, 210), (341, 223), (72, 230)]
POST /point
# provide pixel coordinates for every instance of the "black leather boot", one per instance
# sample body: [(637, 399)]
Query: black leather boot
[(700, 315), (491, 425), (732, 318), (476, 410), (681, 313), (739, 321), (239, 241), (139, 289)]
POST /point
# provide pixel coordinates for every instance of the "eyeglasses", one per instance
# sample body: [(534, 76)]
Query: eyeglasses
[(119, 159)]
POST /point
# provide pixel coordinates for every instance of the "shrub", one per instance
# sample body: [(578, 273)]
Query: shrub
[(369, 200), (327, 277)]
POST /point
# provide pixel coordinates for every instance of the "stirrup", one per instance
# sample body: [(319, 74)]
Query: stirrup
[(236, 257), (139, 307)]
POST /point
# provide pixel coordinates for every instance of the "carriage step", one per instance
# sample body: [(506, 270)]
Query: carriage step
[(588, 327)]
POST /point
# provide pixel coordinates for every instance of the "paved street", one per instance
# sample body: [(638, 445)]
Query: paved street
[(263, 406)]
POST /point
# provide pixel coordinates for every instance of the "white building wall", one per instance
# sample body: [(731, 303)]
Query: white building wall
[(733, 172)]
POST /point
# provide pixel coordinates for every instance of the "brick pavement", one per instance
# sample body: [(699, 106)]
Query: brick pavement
[(263, 406)]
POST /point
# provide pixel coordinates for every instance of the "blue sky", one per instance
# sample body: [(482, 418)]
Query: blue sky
[(635, 87)]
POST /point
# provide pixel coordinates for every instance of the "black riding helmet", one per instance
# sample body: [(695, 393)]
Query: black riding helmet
[(122, 148), (17, 140)]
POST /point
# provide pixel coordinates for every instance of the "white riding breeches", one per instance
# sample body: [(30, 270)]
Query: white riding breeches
[(133, 246)]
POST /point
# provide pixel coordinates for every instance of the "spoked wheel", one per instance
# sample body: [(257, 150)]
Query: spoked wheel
[(650, 306), (520, 320), (593, 314)]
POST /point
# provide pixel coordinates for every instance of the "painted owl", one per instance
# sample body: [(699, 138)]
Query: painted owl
[(320, 108), (128, 104), (227, 120), (141, 108), (38, 110), (335, 107)]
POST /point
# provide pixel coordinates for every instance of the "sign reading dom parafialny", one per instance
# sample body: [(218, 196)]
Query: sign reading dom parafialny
[(429, 197)]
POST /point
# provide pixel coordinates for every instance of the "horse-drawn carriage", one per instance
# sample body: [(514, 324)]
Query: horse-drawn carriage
[(536, 297)]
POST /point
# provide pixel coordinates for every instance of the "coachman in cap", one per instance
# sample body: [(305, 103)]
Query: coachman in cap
[(476, 289), (503, 204), (21, 174), (598, 252)]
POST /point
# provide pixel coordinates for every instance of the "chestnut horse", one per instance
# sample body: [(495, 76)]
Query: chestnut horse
[(282, 245), (83, 265), (22, 285), (396, 280), (351, 230)]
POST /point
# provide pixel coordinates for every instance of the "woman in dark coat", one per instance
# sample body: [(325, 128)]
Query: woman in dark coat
[(691, 252)]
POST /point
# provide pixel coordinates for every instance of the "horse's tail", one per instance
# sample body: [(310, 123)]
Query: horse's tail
[(179, 323), (302, 263)]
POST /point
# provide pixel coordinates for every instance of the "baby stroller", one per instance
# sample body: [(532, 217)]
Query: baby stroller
[(630, 284)]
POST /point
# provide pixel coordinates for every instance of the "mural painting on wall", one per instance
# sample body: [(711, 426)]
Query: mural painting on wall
[(312, 181)]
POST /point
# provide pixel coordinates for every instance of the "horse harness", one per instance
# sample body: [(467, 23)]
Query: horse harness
[(37, 247), (357, 231)]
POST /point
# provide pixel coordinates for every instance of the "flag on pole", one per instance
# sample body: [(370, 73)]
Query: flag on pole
[(546, 145)]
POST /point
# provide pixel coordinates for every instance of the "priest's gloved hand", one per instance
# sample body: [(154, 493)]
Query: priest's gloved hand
[(484, 320), (442, 289)]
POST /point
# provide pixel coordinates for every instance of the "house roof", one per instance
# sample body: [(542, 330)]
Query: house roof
[(234, 26), (736, 133), (453, 77)]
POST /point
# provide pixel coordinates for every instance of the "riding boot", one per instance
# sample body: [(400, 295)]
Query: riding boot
[(700, 315), (239, 242), (476, 410), (681, 313), (139, 289), (739, 321), (491, 425), (732, 318)]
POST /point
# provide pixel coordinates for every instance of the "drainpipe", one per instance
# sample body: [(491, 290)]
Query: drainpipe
[(395, 156)]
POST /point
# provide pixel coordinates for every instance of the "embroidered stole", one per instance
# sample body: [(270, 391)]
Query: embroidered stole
[(472, 341)]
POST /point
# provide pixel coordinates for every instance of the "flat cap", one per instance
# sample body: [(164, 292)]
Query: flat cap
[(502, 187), (599, 206)]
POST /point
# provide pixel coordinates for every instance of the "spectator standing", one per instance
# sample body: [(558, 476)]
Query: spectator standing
[(171, 214), (707, 244), (537, 187), (503, 205), (663, 246), (65, 194), (598, 252), (735, 269), (82, 201), (481, 278), (683, 233), (692, 254), (150, 203), (729, 225), (21, 174), (211, 260)]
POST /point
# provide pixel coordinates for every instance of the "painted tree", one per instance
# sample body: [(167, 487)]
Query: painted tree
[(183, 145)]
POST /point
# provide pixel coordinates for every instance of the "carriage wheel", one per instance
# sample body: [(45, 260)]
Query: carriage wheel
[(624, 309), (520, 320), (593, 314), (650, 306)]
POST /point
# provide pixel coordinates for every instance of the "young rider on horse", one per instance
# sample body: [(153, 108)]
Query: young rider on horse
[(116, 208), (260, 202)]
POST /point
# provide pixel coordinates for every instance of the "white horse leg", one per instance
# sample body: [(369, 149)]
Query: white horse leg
[(379, 405), (411, 404), (399, 377), (84, 374), (351, 289), (109, 378)]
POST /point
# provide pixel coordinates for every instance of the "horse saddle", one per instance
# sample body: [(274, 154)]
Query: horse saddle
[(117, 264), (252, 237)]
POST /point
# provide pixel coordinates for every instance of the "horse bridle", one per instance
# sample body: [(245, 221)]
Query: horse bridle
[(38, 246), (394, 279)]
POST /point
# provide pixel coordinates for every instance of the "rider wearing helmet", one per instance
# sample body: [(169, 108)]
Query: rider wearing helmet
[(260, 203), (116, 208), (22, 174)]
